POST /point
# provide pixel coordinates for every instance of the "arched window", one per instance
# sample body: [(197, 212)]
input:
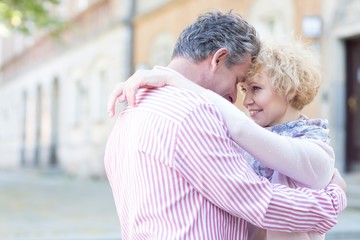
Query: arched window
[(273, 19)]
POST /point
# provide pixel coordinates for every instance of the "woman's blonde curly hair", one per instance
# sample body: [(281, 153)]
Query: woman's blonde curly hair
[(293, 69)]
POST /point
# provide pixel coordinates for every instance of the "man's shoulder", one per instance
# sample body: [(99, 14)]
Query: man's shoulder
[(172, 96), (170, 101)]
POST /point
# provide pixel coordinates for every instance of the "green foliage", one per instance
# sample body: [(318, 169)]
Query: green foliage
[(26, 15)]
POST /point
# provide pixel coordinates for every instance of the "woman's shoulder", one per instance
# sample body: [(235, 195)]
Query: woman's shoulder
[(319, 122), (304, 127)]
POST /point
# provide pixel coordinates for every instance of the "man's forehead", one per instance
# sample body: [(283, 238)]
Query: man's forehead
[(243, 68), (246, 80)]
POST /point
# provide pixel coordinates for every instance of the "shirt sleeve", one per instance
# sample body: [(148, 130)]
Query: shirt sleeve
[(211, 162), (310, 162)]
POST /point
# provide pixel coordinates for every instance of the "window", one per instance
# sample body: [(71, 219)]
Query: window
[(101, 96)]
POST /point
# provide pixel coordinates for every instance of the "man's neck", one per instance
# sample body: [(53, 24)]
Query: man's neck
[(187, 68)]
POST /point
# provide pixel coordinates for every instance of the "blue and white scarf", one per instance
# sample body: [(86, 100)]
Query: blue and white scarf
[(301, 128)]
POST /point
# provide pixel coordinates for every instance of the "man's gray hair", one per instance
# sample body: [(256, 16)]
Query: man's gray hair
[(214, 30)]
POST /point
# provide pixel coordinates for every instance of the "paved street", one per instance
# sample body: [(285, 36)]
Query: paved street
[(49, 205), (37, 205)]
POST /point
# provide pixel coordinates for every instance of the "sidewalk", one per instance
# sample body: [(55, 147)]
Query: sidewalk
[(37, 205), (348, 227), (48, 205)]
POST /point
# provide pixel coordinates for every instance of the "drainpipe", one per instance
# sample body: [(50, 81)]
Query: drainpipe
[(130, 26)]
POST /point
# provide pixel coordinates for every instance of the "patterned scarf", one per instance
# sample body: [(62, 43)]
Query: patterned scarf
[(301, 128)]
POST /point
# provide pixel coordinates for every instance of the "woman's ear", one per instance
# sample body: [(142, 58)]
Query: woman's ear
[(290, 96), (219, 58)]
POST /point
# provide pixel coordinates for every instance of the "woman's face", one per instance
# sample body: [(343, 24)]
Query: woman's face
[(265, 106)]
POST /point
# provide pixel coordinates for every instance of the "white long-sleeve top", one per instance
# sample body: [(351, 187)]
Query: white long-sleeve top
[(297, 162)]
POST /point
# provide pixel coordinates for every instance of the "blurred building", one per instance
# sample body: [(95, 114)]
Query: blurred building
[(340, 49), (53, 92)]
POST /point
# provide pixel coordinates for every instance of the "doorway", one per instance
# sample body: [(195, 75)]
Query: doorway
[(352, 105), (53, 161), (38, 124), (23, 128)]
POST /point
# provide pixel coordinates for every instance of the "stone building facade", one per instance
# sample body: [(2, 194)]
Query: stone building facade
[(340, 49), (53, 92)]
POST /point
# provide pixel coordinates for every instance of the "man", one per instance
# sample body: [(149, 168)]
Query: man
[(174, 171)]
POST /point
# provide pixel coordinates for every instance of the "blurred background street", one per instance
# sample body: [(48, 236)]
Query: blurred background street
[(51, 205)]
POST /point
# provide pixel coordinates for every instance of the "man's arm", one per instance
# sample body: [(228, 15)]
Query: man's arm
[(212, 164)]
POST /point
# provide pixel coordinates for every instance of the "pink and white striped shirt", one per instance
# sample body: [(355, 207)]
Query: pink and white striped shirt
[(176, 174)]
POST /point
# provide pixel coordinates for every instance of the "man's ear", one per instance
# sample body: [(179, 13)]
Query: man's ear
[(219, 58)]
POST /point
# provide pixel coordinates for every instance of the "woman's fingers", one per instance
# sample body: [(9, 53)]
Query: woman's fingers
[(115, 95), (126, 91), (129, 93)]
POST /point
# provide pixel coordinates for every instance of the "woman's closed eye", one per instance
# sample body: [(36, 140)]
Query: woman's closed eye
[(255, 88)]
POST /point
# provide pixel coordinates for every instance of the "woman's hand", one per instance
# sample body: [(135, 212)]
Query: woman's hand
[(148, 79), (338, 180), (140, 79)]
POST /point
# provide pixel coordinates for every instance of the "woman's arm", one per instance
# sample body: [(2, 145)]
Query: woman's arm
[(307, 161), (310, 162), (159, 77)]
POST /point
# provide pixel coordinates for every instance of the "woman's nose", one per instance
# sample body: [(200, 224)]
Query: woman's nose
[(247, 100)]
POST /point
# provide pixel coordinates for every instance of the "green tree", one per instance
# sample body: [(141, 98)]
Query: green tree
[(25, 15)]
